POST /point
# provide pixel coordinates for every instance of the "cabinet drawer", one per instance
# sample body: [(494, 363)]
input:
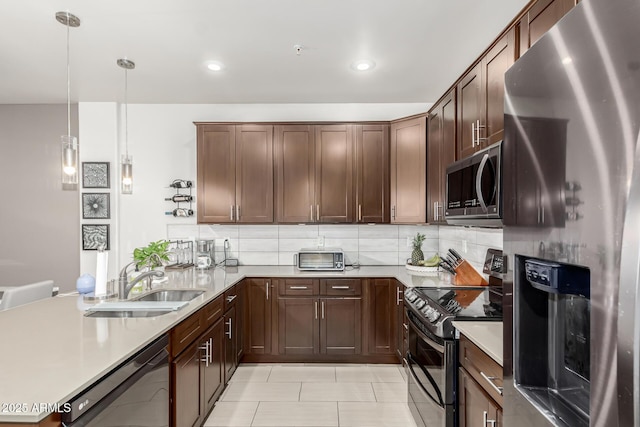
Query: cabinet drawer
[(231, 297), (341, 287), (298, 287), (486, 371), (186, 332), (213, 311)]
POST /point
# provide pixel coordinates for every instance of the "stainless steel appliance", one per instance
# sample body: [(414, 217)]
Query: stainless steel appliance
[(205, 254), (473, 189), (432, 359), (134, 393), (571, 182), (329, 259)]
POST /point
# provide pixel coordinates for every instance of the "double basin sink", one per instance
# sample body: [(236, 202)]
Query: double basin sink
[(146, 310)]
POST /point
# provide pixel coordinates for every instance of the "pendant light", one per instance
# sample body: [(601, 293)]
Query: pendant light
[(69, 142), (127, 160)]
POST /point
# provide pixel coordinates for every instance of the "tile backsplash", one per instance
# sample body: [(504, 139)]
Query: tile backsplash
[(379, 244)]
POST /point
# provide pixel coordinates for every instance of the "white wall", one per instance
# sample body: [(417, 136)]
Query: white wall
[(162, 142)]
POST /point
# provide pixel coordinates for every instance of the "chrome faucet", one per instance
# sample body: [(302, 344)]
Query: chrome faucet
[(124, 287)]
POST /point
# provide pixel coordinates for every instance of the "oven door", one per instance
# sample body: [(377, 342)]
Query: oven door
[(431, 377)]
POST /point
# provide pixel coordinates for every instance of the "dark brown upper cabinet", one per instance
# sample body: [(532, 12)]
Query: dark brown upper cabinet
[(235, 173), (372, 173), (441, 151), (314, 173), (543, 15), (408, 171), (481, 98)]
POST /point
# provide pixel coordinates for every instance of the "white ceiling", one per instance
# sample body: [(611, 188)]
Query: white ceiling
[(420, 47)]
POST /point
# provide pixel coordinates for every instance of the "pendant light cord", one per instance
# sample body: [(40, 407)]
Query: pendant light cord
[(68, 85), (126, 115)]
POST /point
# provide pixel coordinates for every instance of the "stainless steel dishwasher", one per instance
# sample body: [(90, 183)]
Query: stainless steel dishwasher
[(136, 393)]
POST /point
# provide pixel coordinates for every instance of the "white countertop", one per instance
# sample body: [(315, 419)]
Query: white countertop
[(51, 351), (486, 335)]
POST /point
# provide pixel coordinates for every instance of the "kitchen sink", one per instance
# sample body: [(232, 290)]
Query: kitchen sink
[(169, 295), (128, 313)]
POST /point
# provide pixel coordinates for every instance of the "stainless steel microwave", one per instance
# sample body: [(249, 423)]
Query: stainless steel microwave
[(329, 259), (474, 189)]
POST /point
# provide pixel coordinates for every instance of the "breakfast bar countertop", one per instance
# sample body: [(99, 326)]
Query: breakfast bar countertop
[(51, 351)]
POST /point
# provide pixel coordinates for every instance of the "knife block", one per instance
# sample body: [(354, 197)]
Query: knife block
[(467, 275)]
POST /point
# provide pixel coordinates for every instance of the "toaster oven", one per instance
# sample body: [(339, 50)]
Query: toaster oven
[(327, 259)]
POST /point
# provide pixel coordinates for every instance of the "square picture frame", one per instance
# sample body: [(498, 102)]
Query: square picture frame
[(96, 206), (93, 235), (95, 175)]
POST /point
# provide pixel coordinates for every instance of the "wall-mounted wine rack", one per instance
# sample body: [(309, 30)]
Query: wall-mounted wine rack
[(182, 198)]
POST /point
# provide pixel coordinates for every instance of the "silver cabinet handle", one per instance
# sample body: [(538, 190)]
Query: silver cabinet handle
[(486, 420), (311, 212), (490, 381), (359, 212), (228, 333), (297, 287), (231, 298), (340, 287), (398, 299), (406, 327), (316, 306), (211, 350), (393, 212), (266, 285), (323, 309), (317, 213), (231, 213), (207, 356), (473, 134), (237, 212)]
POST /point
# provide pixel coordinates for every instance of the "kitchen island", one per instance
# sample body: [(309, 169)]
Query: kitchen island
[(51, 351)]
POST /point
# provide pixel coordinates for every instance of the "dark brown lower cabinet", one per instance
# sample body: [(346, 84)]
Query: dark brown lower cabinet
[(477, 409), (402, 328), (230, 343), (383, 302), (259, 296), (197, 376), (331, 326)]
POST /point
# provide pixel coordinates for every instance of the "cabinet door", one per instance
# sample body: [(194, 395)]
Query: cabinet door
[(334, 173), (257, 330), (299, 326), (372, 173), (254, 173), (408, 171), (540, 18), (434, 144), (382, 318), (402, 329), (188, 407), (213, 369), (216, 173), (470, 98), (295, 173), (340, 326), (473, 403), (495, 63), (230, 344)]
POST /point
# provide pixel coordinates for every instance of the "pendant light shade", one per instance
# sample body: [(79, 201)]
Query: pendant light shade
[(126, 167), (69, 142)]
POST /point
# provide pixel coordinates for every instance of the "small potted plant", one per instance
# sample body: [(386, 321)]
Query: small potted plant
[(152, 256)]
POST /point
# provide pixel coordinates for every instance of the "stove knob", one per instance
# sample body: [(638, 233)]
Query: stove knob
[(420, 303), (427, 309), (434, 316)]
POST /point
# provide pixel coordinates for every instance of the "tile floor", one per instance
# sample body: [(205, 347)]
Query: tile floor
[(314, 395)]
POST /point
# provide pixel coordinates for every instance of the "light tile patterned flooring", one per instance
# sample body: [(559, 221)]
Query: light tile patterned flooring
[(314, 395)]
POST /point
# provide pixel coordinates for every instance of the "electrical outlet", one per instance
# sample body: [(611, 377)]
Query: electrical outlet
[(320, 241), (409, 241)]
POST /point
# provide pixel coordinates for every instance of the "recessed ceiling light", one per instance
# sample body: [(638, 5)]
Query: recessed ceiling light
[(363, 65), (215, 65)]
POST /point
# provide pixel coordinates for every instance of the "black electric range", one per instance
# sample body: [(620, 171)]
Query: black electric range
[(436, 308)]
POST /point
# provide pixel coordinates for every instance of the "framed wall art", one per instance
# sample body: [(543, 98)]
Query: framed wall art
[(95, 206), (95, 175), (94, 235)]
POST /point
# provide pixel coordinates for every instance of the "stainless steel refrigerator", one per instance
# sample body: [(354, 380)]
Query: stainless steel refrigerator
[(571, 202)]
